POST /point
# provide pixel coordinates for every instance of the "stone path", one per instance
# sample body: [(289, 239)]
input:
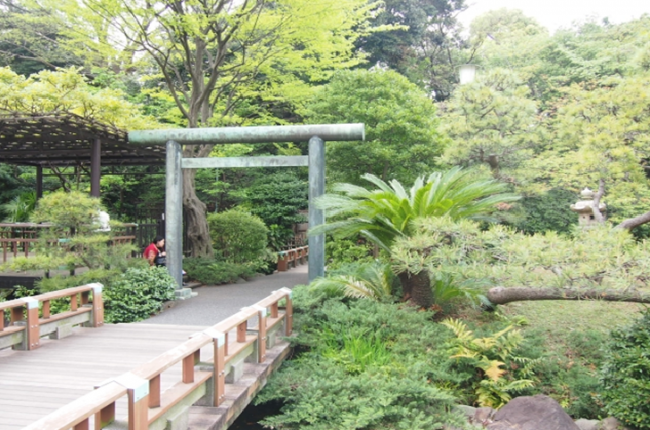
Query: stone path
[(217, 302)]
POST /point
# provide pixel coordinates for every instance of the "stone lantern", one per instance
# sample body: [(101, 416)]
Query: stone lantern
[(585, 209)]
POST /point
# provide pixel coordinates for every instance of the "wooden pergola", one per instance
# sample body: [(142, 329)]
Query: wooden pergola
[(65, 139)]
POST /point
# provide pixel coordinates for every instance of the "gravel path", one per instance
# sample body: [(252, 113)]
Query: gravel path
[(217, 302)]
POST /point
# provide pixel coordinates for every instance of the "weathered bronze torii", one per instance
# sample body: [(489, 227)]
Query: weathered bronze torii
[(317, 135)]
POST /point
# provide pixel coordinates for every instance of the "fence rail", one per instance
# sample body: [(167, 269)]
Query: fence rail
[(147, 404), (20, 239)]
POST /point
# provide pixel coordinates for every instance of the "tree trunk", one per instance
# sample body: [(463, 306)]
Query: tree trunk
[(501, 295), (418, 286), (198, 236)]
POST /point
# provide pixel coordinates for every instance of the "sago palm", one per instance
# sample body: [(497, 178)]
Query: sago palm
[(387, 212)]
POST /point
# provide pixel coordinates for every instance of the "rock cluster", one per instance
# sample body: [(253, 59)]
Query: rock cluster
[(532, 413)]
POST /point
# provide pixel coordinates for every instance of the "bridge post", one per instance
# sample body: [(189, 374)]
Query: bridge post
[(138, 400), (32, 331), (98, 305), (219, 340)]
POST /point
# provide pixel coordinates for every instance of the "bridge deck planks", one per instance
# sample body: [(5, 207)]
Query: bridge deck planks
[(36, 383)]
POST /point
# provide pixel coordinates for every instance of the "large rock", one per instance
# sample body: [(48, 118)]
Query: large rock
[(532, 413)]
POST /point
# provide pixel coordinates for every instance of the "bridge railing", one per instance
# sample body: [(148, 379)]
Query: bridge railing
[(148, 403), (26, 327)]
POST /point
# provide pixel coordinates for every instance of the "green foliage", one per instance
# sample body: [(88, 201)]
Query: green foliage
[(402, 139), (276, 200), (137, 294), (20, 207), (365, 365), (569, 373), (626, 374), (387, 212), (341, 251), (71, 238), (424, 46), (501, 371), (356, 350), (598, 258), (214, 272), (67, 90), (449, 291), (237, 236), (548, 211), (492, 116), (374, 281)]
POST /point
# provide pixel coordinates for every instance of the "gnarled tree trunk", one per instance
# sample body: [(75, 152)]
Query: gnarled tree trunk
[(501, 295), (198, 235), (418, 286)]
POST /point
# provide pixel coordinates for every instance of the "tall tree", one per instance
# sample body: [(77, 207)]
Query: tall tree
[(402, 138), (492, 121), (425, 44), (213, 54)]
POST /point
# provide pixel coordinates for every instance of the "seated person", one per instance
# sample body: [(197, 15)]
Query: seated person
[(155, 252)]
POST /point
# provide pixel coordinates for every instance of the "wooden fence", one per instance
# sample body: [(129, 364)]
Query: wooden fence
[(147, 405), (20, 239)]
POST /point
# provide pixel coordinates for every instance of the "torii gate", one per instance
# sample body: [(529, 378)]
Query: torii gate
[(317, 135)]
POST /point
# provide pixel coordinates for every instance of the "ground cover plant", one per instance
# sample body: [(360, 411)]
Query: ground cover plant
[(210, 271), (363, 364)]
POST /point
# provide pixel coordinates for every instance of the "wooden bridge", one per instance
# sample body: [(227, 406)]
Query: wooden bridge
[(132, 376)]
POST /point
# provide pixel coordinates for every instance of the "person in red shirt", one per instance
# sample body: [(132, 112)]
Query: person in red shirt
[(154, 253)]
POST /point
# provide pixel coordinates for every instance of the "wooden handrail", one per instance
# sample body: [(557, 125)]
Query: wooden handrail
[(146, 405), (29, 306), (100, 403)]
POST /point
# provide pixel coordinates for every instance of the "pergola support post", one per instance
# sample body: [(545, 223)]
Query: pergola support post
[(316, 216), (39, 182), (95, 166), (174, 212)]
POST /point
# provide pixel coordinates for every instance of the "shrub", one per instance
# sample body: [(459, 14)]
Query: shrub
[(625, 374), (238, 236), (137, 294), (214, 272)]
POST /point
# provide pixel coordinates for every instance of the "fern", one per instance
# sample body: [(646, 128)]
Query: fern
[(502, 372)]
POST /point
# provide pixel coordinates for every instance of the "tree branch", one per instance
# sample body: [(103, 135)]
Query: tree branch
[(632, 223), (501, 295)]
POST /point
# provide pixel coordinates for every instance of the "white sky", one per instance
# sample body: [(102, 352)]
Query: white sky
[(554, 14)]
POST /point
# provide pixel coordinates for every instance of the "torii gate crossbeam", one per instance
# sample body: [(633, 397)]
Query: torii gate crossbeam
[(317, 135)]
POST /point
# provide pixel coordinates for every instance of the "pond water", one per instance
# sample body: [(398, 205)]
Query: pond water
[(252, 414)]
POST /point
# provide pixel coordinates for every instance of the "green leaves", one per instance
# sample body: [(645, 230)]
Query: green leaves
[(364, 365), (138, 294), (371, 280), (386, 213), (238, 236), (402, 137), (625, 374)]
